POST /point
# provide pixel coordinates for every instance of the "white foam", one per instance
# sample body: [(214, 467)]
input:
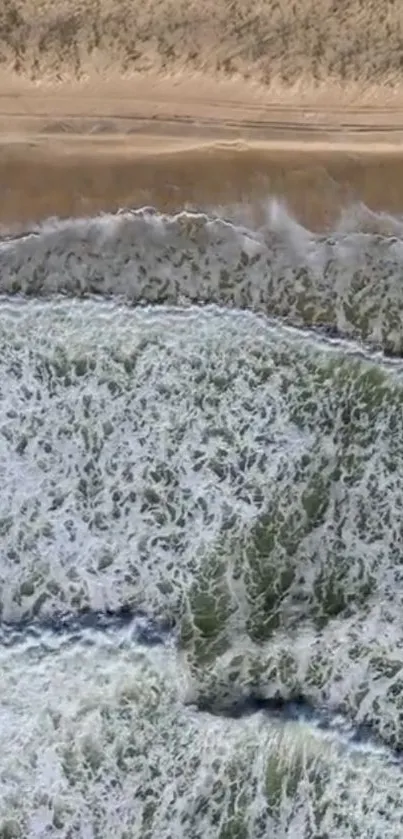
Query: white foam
[(349, 280), (98, 741), (137, 451)]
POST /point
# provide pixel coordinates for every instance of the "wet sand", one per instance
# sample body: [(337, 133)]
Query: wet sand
[(81, 148)]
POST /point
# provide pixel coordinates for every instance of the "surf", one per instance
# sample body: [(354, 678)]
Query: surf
[(347, 281), (200, 529)]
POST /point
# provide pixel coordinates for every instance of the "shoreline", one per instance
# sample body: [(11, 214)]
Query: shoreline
[(72, 149)]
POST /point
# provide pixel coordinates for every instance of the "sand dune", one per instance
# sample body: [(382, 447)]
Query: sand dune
[(264, 40)]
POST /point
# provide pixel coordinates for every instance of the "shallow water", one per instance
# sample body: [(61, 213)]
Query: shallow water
[(200, 525)]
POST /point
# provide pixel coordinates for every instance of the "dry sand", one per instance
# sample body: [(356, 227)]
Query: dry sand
[(106, 104), (268, 41)]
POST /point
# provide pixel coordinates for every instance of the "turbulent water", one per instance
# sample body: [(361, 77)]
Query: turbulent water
[(201, 562)]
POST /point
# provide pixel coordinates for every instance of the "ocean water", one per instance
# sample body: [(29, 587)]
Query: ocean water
[(201, 528)]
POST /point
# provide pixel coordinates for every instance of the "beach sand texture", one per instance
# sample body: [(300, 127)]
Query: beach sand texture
[(107, 104)]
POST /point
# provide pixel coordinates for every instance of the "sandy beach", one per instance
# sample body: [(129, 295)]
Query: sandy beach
[(84, 147), (105, 104)]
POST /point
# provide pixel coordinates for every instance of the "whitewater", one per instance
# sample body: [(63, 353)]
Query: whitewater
[(201, 585)]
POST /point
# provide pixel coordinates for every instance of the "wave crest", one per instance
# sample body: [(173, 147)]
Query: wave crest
[(348, 281)]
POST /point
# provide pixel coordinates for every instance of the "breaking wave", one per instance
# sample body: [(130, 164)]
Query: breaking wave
[(348, 282)]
